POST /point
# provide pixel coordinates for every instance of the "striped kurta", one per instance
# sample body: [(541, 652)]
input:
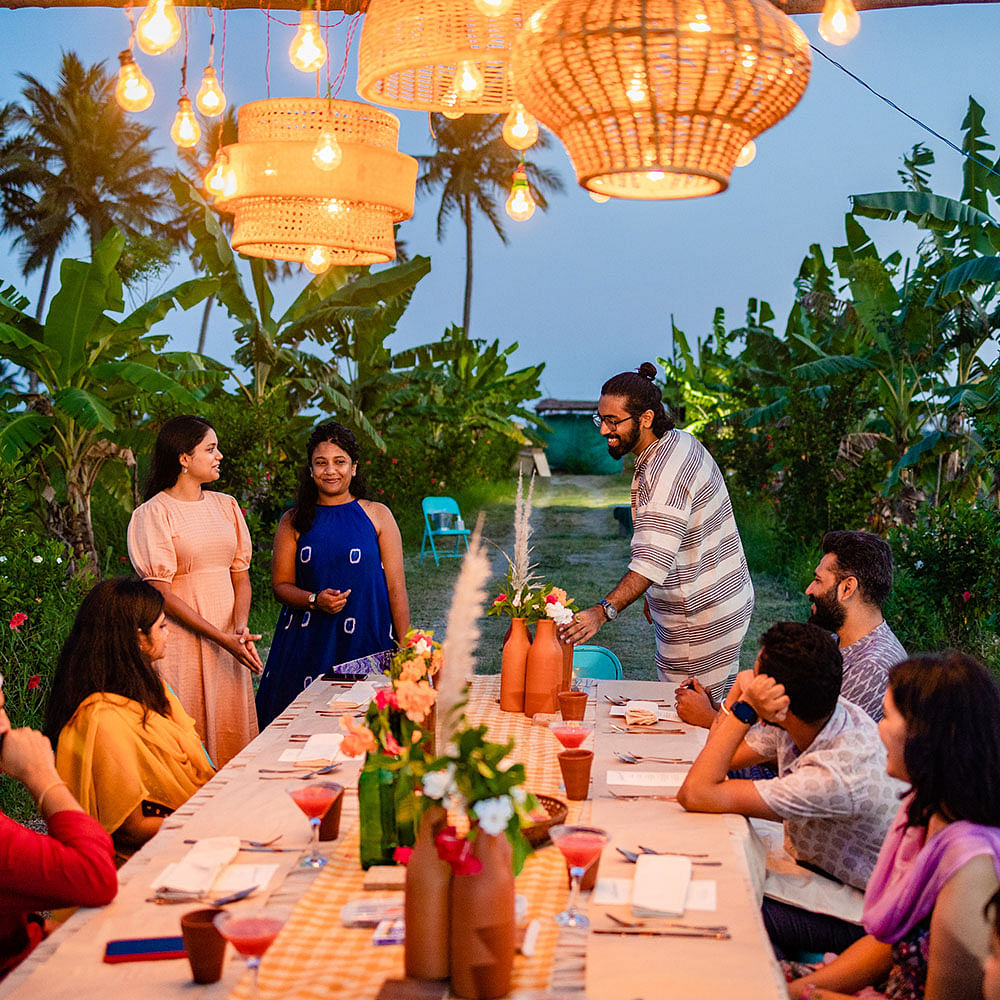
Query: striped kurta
[(686, 543)]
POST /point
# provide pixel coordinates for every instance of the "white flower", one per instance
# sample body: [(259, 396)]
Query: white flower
[(3, 559), (519, 794), (437, 784), (516, 600), (59, 560), (423, 646), (919, 564), (36, 559), (560, 614), (494, 814)]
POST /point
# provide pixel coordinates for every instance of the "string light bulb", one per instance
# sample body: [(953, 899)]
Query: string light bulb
[(520, 130), (636, 92), (308, 50), (747, 154), (133, 91), (215, 179), (327, 153), (469, 84), (158, 28), (494, 8), (839, 22), (210, 99), (185, 130), (453, 114), (520, 205), (598, 197), (319, 260)]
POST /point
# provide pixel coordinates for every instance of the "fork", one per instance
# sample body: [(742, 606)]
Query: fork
[(684, 927), (249, 843), (633, 856), (329, 769), (632, 758), (646, 731)]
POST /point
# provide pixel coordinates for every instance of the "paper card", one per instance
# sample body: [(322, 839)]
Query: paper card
[(702, 895), (323, 748), (664, 713), (647, 779), (236, 878), (612, 892), (660, 886)]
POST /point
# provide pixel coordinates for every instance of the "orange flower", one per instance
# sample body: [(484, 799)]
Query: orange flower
[(437, 661), (359, 740), (413, 671), (559, 594), (415, 698)]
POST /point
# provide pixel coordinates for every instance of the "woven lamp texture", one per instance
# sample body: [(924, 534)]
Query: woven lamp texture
[(410, 50), (285, 206), (655, 98)]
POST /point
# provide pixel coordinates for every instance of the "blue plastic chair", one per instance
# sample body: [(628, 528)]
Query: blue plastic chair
[(596, 661), (441, 514)]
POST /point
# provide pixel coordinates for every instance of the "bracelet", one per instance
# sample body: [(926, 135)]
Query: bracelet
[(724, 708), (47, 789)]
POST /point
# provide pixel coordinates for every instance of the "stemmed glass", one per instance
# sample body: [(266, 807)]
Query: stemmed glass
[(251, 932), (571, 734), (581, 846), (314, 798)]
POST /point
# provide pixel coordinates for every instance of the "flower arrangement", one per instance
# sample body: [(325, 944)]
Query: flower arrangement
[(520, 598)]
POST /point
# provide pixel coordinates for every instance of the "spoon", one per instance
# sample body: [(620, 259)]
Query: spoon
[(633, 856), (630, 758), (249, 843), (330, 768)]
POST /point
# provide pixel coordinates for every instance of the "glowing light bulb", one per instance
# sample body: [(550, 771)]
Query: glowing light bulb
[(636, 92), (747, 153), (215, 179), (469, 84), (520, 205), (520, 130), (840, 22), (319, 260), (656, 175), (185, 130), (210, 100), (133, 91), (327, 153), (700, 23), (598, 197), (158, 27), (453, 115), (308, 50), (494, 8)]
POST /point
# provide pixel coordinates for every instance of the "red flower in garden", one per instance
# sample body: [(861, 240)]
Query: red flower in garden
[(121, 559), (34, 681), (17, 620), (402, 855), (966, 595)]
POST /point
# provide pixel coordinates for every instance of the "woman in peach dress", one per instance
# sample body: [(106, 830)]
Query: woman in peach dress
[(194, 547)]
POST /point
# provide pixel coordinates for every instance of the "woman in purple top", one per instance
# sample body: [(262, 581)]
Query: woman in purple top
[(940, 864)]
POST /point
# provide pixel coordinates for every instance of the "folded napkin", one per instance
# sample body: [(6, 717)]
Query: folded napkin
[(320, 749), (200, 867), (661, 885), (641, 713), (356, 696)]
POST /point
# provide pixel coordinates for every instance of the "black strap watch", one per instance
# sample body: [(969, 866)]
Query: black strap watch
[(744, 713), (610, 611), (312, 601)]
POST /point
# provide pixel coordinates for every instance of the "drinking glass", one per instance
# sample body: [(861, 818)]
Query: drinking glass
[(581, 846), (314, 798), (571, 734), (252, 932)]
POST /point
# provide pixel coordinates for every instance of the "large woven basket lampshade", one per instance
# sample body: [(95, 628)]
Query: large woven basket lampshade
[(285, 206), (656, 98), (411, 51)]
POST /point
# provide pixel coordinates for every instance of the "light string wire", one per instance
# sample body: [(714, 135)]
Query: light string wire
[(352, 30), (211, 37), (184, 64), (906, 114), (130, 14), (222, 54), (267, 55)]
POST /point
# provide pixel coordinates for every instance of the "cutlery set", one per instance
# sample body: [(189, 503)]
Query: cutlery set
[(634, 758), (632, 856)]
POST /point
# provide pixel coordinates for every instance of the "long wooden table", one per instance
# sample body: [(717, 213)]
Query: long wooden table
[(341, 962)]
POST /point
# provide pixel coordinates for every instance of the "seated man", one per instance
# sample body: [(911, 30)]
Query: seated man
[(832, 791)]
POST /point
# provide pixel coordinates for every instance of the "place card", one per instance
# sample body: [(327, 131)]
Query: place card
[(647, 779), (321, 748), (664, 713), (702, 895), (236, 878), (612, 892), (661, 885)]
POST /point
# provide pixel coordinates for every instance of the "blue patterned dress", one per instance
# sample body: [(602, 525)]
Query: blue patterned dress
[(341, 551)]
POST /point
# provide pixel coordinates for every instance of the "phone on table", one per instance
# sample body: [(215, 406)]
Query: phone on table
[(144, 949)]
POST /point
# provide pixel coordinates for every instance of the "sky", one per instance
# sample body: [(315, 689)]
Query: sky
[(590, 289)]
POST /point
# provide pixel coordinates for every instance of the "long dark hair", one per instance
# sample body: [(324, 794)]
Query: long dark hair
[(951, 707), (304, 510), (101, 653), (641, 393), (178, 436)]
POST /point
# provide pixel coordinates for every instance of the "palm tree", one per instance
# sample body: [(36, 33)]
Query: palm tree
[(473, 168)]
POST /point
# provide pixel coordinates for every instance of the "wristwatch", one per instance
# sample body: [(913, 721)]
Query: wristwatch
[(610, 611), (744, 713), (312, 601)]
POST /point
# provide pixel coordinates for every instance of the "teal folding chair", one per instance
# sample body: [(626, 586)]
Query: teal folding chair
[(442, 519), (596, 661)]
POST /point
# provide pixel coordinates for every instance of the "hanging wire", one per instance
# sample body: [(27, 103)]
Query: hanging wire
[(211, 37), (184, 65), (222, 54), (906, 114), (342, 72), (267, 54), (130, 14)]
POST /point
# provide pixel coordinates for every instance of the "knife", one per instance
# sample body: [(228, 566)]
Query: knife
[(640, 932)]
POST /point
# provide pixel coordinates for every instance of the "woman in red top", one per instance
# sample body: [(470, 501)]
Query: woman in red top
[(73, 866)]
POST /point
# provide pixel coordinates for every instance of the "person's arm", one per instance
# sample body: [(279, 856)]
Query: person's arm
[(586, 623), (694, 704), (865, 963), (283, 584), (136, 829), (390, 545), (243, 593)]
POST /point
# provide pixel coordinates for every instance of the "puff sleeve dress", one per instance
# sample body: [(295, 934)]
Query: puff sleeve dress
[(195, 546)]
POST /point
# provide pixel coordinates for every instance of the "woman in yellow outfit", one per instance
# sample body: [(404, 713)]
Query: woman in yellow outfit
[(124, 745)]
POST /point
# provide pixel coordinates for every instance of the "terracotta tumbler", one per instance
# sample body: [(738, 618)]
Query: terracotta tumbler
[(205, 946), (575, 766), (329, 828), (589, 879), (573, 705)]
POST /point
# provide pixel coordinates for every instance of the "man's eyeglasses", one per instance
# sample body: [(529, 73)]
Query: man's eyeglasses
[(613, 422)]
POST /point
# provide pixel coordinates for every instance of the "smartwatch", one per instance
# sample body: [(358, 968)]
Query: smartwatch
[(312, 601), (744, 713), (610, 611)]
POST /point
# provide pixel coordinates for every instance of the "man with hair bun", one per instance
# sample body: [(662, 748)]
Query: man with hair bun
[(687, 558)]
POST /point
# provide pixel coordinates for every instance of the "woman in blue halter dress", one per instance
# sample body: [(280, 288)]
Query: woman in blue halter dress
[(338, 571)]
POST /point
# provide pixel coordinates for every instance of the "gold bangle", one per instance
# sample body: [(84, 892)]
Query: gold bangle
[(47, 789)]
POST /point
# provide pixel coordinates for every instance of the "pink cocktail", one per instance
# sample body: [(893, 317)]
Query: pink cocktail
[(252, 933), (314, 799), (581, 846), (571, 734)]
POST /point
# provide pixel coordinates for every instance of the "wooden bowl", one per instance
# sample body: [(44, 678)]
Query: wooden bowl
[(538, 833)]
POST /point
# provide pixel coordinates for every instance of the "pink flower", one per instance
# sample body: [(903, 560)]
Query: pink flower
[(457, 852), (551, 599), (385, 698), (17, 620), (402, 855), (500, 599), (34, 681), (966, 595), (392, 745)]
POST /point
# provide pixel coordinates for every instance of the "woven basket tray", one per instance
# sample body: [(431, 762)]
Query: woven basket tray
[(538, 833)]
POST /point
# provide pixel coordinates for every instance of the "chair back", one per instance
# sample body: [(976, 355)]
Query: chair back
[(440, 505), (596, 661)]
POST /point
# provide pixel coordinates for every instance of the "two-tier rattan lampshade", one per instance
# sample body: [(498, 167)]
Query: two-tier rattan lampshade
[(285, 206), (656, 98), (412, 50)]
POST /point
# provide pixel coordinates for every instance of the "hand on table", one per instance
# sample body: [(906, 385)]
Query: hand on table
[(694, 705), (241, 645), (585, 625), (767, 698), (332, 601)]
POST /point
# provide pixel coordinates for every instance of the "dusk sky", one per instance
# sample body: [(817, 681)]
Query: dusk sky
[(588, 288)]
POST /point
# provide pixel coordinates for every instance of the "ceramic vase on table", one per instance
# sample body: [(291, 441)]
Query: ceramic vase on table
[(482, 922), (543, 670), (566, 684), (386, 804), (427, 902), (512, 666)]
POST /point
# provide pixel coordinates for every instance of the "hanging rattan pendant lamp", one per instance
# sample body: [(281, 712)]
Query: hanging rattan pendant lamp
[(655, 99), (287, 206), (437, 55)]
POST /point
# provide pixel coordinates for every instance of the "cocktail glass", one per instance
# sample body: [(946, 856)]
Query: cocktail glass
[(571, 734), (581, 846), (314, 798), (251, 932)]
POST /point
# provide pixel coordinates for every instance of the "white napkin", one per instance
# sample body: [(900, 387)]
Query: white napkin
[(661, 885), (356, 696), (641, 713), (319, 749), (200, 867)]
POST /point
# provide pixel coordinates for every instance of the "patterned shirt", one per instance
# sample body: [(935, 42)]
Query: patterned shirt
[(866, 668), (835, 798), (685, 541)]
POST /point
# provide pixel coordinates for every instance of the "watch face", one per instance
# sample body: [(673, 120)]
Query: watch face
[(610, 610), (744, 713)]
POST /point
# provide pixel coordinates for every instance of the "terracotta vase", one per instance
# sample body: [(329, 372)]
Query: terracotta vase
[(512, 666), (543, 671), (427, 902), (566, 684), (482, 923)]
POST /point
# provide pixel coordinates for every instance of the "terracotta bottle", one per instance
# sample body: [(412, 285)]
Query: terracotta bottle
[(512, 666), (543, 671), (427, 902), (567, 666)]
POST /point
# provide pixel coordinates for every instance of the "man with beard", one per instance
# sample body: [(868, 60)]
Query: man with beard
[(687, 558), (849, 587)]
